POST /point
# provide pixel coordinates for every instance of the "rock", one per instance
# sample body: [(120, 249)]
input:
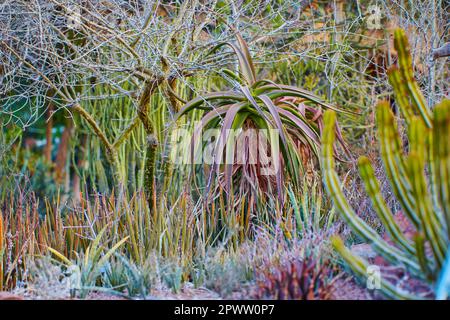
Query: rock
[(9, 296)]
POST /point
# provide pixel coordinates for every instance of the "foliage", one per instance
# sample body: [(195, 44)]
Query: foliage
[(85, 271), (295, 114), (294, 280), (91, 200)]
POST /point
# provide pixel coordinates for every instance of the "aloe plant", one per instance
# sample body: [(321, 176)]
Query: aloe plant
[(420, 180), (261, 104)]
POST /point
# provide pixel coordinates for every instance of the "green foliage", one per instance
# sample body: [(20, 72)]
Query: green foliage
[(121, 273), (419, 180), (88, 267), (261, 104), (173, 277), (310, 212), (108, 202), (9, 135)]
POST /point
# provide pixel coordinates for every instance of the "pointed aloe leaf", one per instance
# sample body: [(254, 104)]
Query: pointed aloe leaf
[(95, 245), (286, 149), (248, 57), (246, 91), (60, 256), (245, 65), (279, 90), (261, 82), (212, 117), (302, 125), (294, 204), (276, 116), (223, 139), (198, 103), (111, 251), (232, 75), (230, 147)]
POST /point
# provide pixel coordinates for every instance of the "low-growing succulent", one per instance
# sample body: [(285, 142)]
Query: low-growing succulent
[(294, 280)]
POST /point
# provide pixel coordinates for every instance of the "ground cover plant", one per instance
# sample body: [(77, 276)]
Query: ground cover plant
[(224, 149)]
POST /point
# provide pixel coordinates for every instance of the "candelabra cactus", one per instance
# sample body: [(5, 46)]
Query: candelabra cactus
[(420, 180)]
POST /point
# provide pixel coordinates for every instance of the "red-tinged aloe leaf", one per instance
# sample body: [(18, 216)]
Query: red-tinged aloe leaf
[(230, 148), (302, 109), (275, 86), (292, 108), (244, 48), (306, 141), (265, 81), (302, 125), (318, 119), (273, 110), (294, 89), (198, 103), (215, 114), (278, 174), (341, 141), (274, 91), (288, 104), (248, 95), (246, 67), (224, 134)]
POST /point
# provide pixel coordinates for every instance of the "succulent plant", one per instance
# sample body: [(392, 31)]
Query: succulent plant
[(263, 105), (420, 180), (294, 280)]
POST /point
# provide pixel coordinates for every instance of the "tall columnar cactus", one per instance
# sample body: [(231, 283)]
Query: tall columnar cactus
[(420, 180)]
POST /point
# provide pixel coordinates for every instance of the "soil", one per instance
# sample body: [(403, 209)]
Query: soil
[(348, 289)]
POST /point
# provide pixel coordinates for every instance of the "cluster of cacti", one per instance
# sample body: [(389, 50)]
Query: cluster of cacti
[(420, 180), (294, 280)]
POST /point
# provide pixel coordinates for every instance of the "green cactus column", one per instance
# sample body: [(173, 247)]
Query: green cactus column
[(419, 174)]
